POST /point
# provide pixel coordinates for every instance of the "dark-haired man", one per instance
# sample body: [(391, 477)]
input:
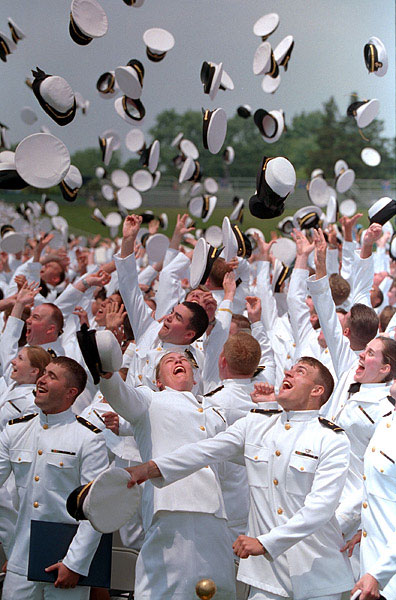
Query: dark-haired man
[(50, 452), (186, 535), (186, 323), (296, 465)]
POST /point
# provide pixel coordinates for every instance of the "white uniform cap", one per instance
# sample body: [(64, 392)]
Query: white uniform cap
[(269, 85), (189, 149), (42, 160), (370, 157), (134, 140), (156, 247), (107, 192), (348, 207), (214, 129), (129, 198), (266, 25), (280, 176), (142, 180), (119, 178)]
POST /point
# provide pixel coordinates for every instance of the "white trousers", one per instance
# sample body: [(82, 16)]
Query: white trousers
[(256, 594), (17, 587), (179, 549)]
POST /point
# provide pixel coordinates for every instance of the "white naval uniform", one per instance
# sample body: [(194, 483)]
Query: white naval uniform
[(16, 401), (358, 415), (145, 329), (296, 469), (186, 532), (50, 455), (378, 543), (235, 402)]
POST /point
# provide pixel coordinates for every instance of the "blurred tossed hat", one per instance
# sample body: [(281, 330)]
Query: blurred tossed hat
[(214, 129), (371, 157), (202, 261), (108, 192), (307, 217), (286, 225), (10, 178), (129, 109), (156, 247), (211, 186), (226, 81), (348, 207), (106, 85), (11, 241), (270, 124), (149, 157), (244, 111), (270, 84), (237, 213), (284, 250), (71, 184), (190, 171), (88, 20), (202, 207), (134, 140), (55, 96), (213, 235), (318, 191), (375, 57), (7, 46), (142, 180), (188, 149), (16, 32), (106, 502), (100, 350), (50, 207), (42, 160), (119, 178), (229, 155), (28, 115), (280, 273), (283, 50), (107, 146), (98, 216), (158, 43), (130, 78), (382, 210), (317, 173), (266, 25), (275, 180), (264, 61), (211, 78), (344, 176), (236, 243), (363, 111)]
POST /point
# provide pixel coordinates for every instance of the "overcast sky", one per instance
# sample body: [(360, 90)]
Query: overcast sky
[(327, 58)]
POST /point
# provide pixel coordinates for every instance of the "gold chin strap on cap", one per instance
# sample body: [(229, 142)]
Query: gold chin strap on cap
[(306, 218), (241, 241), (205, 207), (155, 56), (77, 31), (68, 191)]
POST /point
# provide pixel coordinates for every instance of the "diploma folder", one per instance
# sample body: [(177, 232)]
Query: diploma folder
[(49, 543)]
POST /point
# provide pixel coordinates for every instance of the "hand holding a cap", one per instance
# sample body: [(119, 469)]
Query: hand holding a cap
[(263, 392), (130, 230)]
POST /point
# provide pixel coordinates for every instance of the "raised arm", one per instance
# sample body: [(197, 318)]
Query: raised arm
[(130, 403)]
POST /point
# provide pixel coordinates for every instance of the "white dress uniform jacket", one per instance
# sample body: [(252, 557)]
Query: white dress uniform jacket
[(296, 469), (378, 544), (50, 455), (16, 401)]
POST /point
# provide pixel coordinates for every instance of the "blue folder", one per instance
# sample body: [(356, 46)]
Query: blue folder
[(49, 543)]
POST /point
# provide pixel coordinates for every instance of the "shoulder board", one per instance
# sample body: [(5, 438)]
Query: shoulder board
[(268, 411), (392, 400), (22, 419), (88, 424), (219, 413), (213, 391), (330, 425), (387, 414), (259, 369)]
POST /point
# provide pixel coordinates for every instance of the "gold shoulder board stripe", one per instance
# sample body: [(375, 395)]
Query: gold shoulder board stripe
[(22, 419), (88, 424)]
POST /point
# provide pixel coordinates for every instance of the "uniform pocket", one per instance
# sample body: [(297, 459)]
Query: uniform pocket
[(300, 474), (21, 461), (62, 470), (256, 460)]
